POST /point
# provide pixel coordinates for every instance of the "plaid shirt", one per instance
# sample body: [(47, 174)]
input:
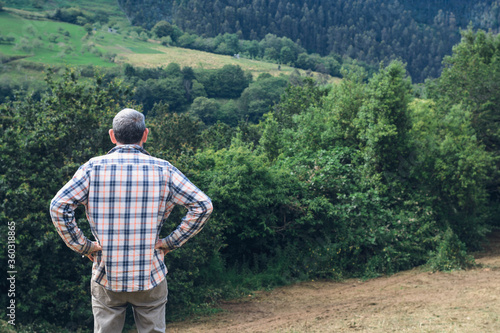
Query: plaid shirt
[(128, 195)]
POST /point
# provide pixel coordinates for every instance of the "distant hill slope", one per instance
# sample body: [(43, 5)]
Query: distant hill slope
[(419, 32), (55, 43), (482, 13), (110, 8)]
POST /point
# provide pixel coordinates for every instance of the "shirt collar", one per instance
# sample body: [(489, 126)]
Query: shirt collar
[(128, 149)]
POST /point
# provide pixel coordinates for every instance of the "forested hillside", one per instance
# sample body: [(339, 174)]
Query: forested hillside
[(418, 32)]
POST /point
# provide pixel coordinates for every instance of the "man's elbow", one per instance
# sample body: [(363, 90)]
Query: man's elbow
[(209, 207), (57, 210), (53, 209)]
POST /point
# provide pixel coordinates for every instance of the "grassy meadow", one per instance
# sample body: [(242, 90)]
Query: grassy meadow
[(57, 43), (198, 59), (110, 7)]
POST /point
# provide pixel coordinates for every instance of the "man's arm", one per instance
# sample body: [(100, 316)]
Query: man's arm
[(62, 212), (199, 208)]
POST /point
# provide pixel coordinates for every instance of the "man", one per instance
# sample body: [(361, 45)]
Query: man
[(128, 195)]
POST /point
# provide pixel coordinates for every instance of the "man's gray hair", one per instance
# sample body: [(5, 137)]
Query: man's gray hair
[(129, 126)]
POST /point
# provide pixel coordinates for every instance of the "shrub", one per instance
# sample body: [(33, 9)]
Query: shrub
[(451, 254), (226, 82), (24, 45)]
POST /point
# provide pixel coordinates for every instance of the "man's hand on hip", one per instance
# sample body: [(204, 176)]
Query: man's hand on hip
[(95, 248), (159, 246)]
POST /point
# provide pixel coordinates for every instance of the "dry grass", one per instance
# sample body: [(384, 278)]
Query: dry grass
[(196, 59), (25, 13), (411, 301), (202, 60), (414, 301)]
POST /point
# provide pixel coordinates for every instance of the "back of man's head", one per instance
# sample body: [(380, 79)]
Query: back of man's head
[(129, 126)]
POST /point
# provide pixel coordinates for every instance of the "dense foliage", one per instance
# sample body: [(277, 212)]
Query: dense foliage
[(227, 94), (418, 32), (271, 48), (356, 179)]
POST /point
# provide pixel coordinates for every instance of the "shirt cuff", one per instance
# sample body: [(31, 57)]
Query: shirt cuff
[(87, 248), (168, 245)]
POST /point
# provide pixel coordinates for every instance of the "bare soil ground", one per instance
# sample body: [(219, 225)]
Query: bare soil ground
[(410, 301)]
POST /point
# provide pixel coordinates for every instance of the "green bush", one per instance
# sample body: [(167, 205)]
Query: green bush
[(226, 82), (451, 254)]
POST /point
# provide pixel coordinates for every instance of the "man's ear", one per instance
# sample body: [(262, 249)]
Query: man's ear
[(112, 136), (145, 136)]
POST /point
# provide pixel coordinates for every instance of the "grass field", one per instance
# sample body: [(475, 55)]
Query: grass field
[(199, 59), (74, 47), (71, 46), (53, 43), (110, 7), (32, 40)]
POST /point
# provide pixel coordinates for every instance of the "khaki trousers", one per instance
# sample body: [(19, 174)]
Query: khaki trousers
[(109, 308)]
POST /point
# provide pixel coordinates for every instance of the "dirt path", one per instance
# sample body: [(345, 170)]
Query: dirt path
[(411, 301)]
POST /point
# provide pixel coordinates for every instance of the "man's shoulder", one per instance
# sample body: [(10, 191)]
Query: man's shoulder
[(129, 159)]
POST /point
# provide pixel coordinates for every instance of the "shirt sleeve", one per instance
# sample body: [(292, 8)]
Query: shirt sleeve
[(62, 211), (199, 208)]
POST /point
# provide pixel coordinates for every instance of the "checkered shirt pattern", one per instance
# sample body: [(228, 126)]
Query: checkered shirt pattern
[(128, 194)]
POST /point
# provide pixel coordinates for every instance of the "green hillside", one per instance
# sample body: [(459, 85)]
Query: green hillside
[(30, 42), (58, 43), (418, 32), (108, 7), (52, 43)]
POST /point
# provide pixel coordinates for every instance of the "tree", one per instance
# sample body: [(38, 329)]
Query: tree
[(88, 28), (297, 99), (232, 42), (383, 121), (53, 38), (217, 137), (252, 199), (260, 96), (197, 90), (227, 82), (472, 76), (229, 113), (173, 70), (469, 86), (452, 165), (169, 90), (162, 29), (205, 109), (174, 134), (286, 55), (305, 61)]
